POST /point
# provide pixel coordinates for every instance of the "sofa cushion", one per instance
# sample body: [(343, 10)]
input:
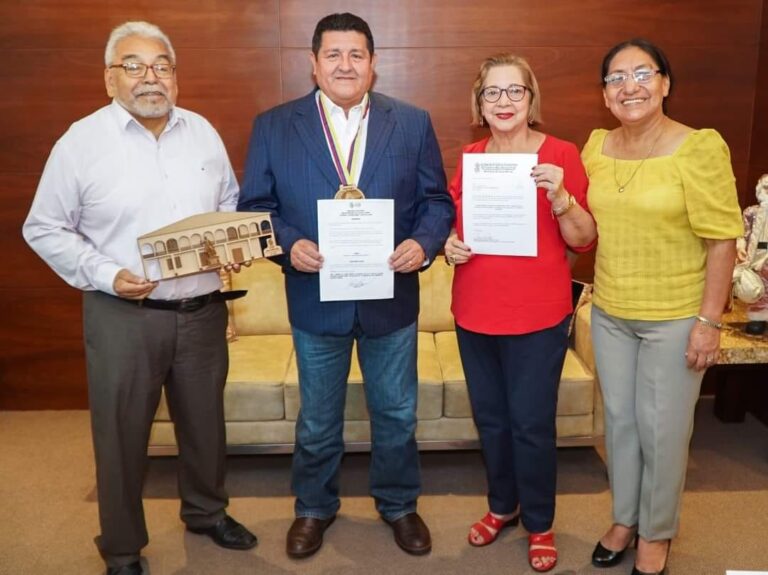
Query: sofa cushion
[(435, 297), (430, 399), (575, 396), (257, 368), (264, 311), (571, 426), (254, 389)]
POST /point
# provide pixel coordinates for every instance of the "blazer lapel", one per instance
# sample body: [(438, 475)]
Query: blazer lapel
[(380, 126), (307, 124)]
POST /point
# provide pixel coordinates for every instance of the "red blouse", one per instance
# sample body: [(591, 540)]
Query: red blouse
[(500, 295)]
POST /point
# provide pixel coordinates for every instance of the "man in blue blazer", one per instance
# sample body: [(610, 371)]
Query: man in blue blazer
[(301, 152)]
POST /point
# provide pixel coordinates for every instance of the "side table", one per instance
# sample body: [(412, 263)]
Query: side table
[(742, 369)]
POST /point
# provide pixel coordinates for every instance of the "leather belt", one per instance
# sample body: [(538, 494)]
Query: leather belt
[(188, 304)]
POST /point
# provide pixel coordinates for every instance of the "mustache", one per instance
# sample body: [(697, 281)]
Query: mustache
[(141, 91)]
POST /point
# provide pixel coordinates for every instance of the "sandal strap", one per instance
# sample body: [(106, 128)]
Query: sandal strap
[(491, 521), (488, 528), (542, 546), (484, 533), (547, 539)]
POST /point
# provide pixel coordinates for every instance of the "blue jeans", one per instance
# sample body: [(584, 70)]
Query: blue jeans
[(388, 364)]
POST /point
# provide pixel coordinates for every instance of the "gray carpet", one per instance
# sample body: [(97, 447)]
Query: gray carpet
[(50, 518)]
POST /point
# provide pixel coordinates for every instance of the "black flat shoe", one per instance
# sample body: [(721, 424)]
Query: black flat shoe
[(603, 557)]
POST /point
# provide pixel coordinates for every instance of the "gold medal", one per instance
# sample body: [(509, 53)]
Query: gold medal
[(349, 193)]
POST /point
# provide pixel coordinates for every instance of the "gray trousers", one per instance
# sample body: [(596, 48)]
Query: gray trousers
[(131, 353), (650, 396)]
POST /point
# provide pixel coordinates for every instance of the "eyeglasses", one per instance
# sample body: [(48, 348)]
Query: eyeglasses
[(642, 76), (514, 92), (162, 70)]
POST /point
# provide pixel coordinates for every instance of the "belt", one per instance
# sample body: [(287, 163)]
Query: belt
[(188, 304)]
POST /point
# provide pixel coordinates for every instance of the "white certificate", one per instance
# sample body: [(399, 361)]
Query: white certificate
[(499, 204), (356, 238)]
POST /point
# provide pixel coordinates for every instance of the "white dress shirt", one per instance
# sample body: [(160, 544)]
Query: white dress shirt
[(108, 181), (345, 126)]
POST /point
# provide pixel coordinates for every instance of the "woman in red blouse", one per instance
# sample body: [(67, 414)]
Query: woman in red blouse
[(512, 312)]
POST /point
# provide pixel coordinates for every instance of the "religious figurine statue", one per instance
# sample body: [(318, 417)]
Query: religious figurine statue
[(752, 253), (212, 256)]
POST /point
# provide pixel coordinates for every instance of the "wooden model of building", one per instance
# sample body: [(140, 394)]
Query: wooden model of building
[(207, 242)]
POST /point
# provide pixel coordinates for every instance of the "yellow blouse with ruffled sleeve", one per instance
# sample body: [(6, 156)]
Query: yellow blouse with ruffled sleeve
[(651, 253)]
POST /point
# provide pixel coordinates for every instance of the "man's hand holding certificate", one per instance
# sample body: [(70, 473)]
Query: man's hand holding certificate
[(499, 204)]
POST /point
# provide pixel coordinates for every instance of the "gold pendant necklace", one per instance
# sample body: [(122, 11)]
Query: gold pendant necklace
[(622, 187)]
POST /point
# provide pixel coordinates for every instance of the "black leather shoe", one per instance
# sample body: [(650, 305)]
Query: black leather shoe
[(636, 571), (305, 536), (412, 534), (130, 569), (604, 557), (228, 533)]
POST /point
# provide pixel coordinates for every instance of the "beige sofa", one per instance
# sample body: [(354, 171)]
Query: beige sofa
[(261, 397)]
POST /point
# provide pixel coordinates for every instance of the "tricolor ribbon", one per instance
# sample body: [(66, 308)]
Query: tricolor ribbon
[(347, 172)]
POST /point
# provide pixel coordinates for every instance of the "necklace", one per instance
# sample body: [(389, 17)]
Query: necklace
[(622, 187)]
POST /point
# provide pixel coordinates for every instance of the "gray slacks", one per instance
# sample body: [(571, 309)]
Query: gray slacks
[(650, 396), (133, 352)]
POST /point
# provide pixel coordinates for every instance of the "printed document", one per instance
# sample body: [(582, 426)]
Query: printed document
[(499, 204), (356, 238)]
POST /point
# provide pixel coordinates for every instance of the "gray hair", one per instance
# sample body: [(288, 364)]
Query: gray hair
[(143, 29)]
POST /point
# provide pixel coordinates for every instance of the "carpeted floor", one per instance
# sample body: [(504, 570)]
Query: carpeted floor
[(47, 502)]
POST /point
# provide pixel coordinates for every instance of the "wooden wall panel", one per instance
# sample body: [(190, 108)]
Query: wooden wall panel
[(19, 261), (758, 160), (41, 364), (240, 57), (32, 114), (229, 88), (559, 23), (52, 24)]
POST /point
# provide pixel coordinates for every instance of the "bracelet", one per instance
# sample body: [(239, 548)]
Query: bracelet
[(709, 322), (559, 212)]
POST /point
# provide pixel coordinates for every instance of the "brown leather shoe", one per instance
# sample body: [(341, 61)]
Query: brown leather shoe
[(412, 534), (306, 536)]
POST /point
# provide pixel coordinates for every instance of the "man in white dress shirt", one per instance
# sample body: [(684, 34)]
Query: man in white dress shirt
[(133, 166)]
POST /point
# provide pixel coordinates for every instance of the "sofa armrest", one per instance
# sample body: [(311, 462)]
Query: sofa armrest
[(582, 345), (582, 336)]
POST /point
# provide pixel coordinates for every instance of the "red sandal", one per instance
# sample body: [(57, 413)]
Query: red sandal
[(488, 529), (541, 546)]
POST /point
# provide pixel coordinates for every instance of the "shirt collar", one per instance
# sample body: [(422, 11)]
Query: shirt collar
[(125, 119), (333, 109)]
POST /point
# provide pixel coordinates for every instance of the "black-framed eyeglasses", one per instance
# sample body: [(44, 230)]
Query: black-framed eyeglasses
[(514, 92), (162, 70), (642, 76)]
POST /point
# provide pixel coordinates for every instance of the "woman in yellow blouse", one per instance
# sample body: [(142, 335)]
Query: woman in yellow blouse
[(664, 199)]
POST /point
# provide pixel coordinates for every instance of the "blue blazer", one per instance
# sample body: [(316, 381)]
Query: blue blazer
[(289, 168)]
